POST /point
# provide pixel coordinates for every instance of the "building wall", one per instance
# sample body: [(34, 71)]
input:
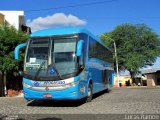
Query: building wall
[(151, 79), (123, 80), (12, 17), (158, 77), (2, 19), (21, 21)]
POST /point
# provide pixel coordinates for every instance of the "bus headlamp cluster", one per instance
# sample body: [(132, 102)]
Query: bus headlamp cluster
[(26, 85)]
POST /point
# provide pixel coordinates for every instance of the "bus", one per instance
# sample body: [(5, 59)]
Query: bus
[(65, 64)]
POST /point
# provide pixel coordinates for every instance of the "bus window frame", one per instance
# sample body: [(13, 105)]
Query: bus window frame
[(53, 78)]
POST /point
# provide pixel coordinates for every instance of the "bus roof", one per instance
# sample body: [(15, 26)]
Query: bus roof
[(58, 31), (64, 31)]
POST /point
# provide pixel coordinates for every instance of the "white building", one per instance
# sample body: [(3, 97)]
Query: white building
[(14, 18)]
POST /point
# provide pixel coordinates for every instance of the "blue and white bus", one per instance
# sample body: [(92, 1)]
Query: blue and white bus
[(65, 64)]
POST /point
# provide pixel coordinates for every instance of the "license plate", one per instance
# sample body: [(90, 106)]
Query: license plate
[(47, 96)]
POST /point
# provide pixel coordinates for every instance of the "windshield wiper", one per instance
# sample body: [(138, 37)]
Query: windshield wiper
[(59, 75), (39, 69)]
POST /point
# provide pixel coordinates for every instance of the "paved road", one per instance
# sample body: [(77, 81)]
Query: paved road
[(118, 101)]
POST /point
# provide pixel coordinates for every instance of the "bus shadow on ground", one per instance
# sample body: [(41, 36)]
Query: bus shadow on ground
[(63, 103)]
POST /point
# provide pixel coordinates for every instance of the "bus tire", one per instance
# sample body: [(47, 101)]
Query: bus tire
[(90, 93), (107, 90)]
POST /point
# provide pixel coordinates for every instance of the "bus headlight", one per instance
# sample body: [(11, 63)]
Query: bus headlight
[(74, 83), (71, 84), (26, 85)]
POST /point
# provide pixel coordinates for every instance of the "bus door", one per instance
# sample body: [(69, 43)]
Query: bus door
[(104, 77)]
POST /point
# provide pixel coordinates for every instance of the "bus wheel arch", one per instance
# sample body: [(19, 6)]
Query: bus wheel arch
[(89, 91), (90, 82)]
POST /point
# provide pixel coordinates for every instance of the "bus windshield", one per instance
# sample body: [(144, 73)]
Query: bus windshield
[(43, 53)]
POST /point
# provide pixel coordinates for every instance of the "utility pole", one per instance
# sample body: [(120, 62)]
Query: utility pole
[(117, 68), (116, 57)]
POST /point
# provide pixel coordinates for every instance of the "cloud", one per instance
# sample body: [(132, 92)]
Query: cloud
[(55, 20)]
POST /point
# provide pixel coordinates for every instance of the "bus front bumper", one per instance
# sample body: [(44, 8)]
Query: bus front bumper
[(72, 93)]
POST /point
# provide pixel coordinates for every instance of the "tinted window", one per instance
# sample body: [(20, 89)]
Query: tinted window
[(97, 50)]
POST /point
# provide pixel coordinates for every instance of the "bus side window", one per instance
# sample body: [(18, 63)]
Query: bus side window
[(92, 45)]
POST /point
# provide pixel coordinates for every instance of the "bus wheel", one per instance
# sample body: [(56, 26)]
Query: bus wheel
[(90, 93)]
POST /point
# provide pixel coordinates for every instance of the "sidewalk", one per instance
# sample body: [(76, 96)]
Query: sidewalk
[(20, 95), (143, 87)]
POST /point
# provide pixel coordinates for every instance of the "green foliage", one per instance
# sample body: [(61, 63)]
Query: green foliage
[(9, 39), (105, 38), (137, 46)]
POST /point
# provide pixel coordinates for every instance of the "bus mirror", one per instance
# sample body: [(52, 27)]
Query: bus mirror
[(16, 50), (79, 48)]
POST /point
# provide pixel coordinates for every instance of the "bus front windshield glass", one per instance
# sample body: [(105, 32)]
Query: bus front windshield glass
[(37, 56), (45, 53), (63, 55)]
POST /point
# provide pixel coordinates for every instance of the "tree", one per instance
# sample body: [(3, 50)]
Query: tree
[(9, 39), (137, 46)]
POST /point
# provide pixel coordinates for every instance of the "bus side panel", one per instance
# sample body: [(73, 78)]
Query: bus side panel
[(112, 81), (95, 73), (110, 77)]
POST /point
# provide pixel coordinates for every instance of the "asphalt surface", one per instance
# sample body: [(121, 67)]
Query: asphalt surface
[(117, 101)]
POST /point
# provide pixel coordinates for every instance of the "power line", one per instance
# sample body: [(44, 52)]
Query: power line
[(72, 6), (133, 17)]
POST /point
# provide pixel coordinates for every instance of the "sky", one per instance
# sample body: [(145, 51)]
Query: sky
[(98, 16)]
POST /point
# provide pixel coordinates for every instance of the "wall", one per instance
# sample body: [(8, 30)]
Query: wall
[(151, 79), (12, 17), (21, 21), (1, 19), (123, 80), (158, 77)]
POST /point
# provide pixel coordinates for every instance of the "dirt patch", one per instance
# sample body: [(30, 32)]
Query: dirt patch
[(12, 93)]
